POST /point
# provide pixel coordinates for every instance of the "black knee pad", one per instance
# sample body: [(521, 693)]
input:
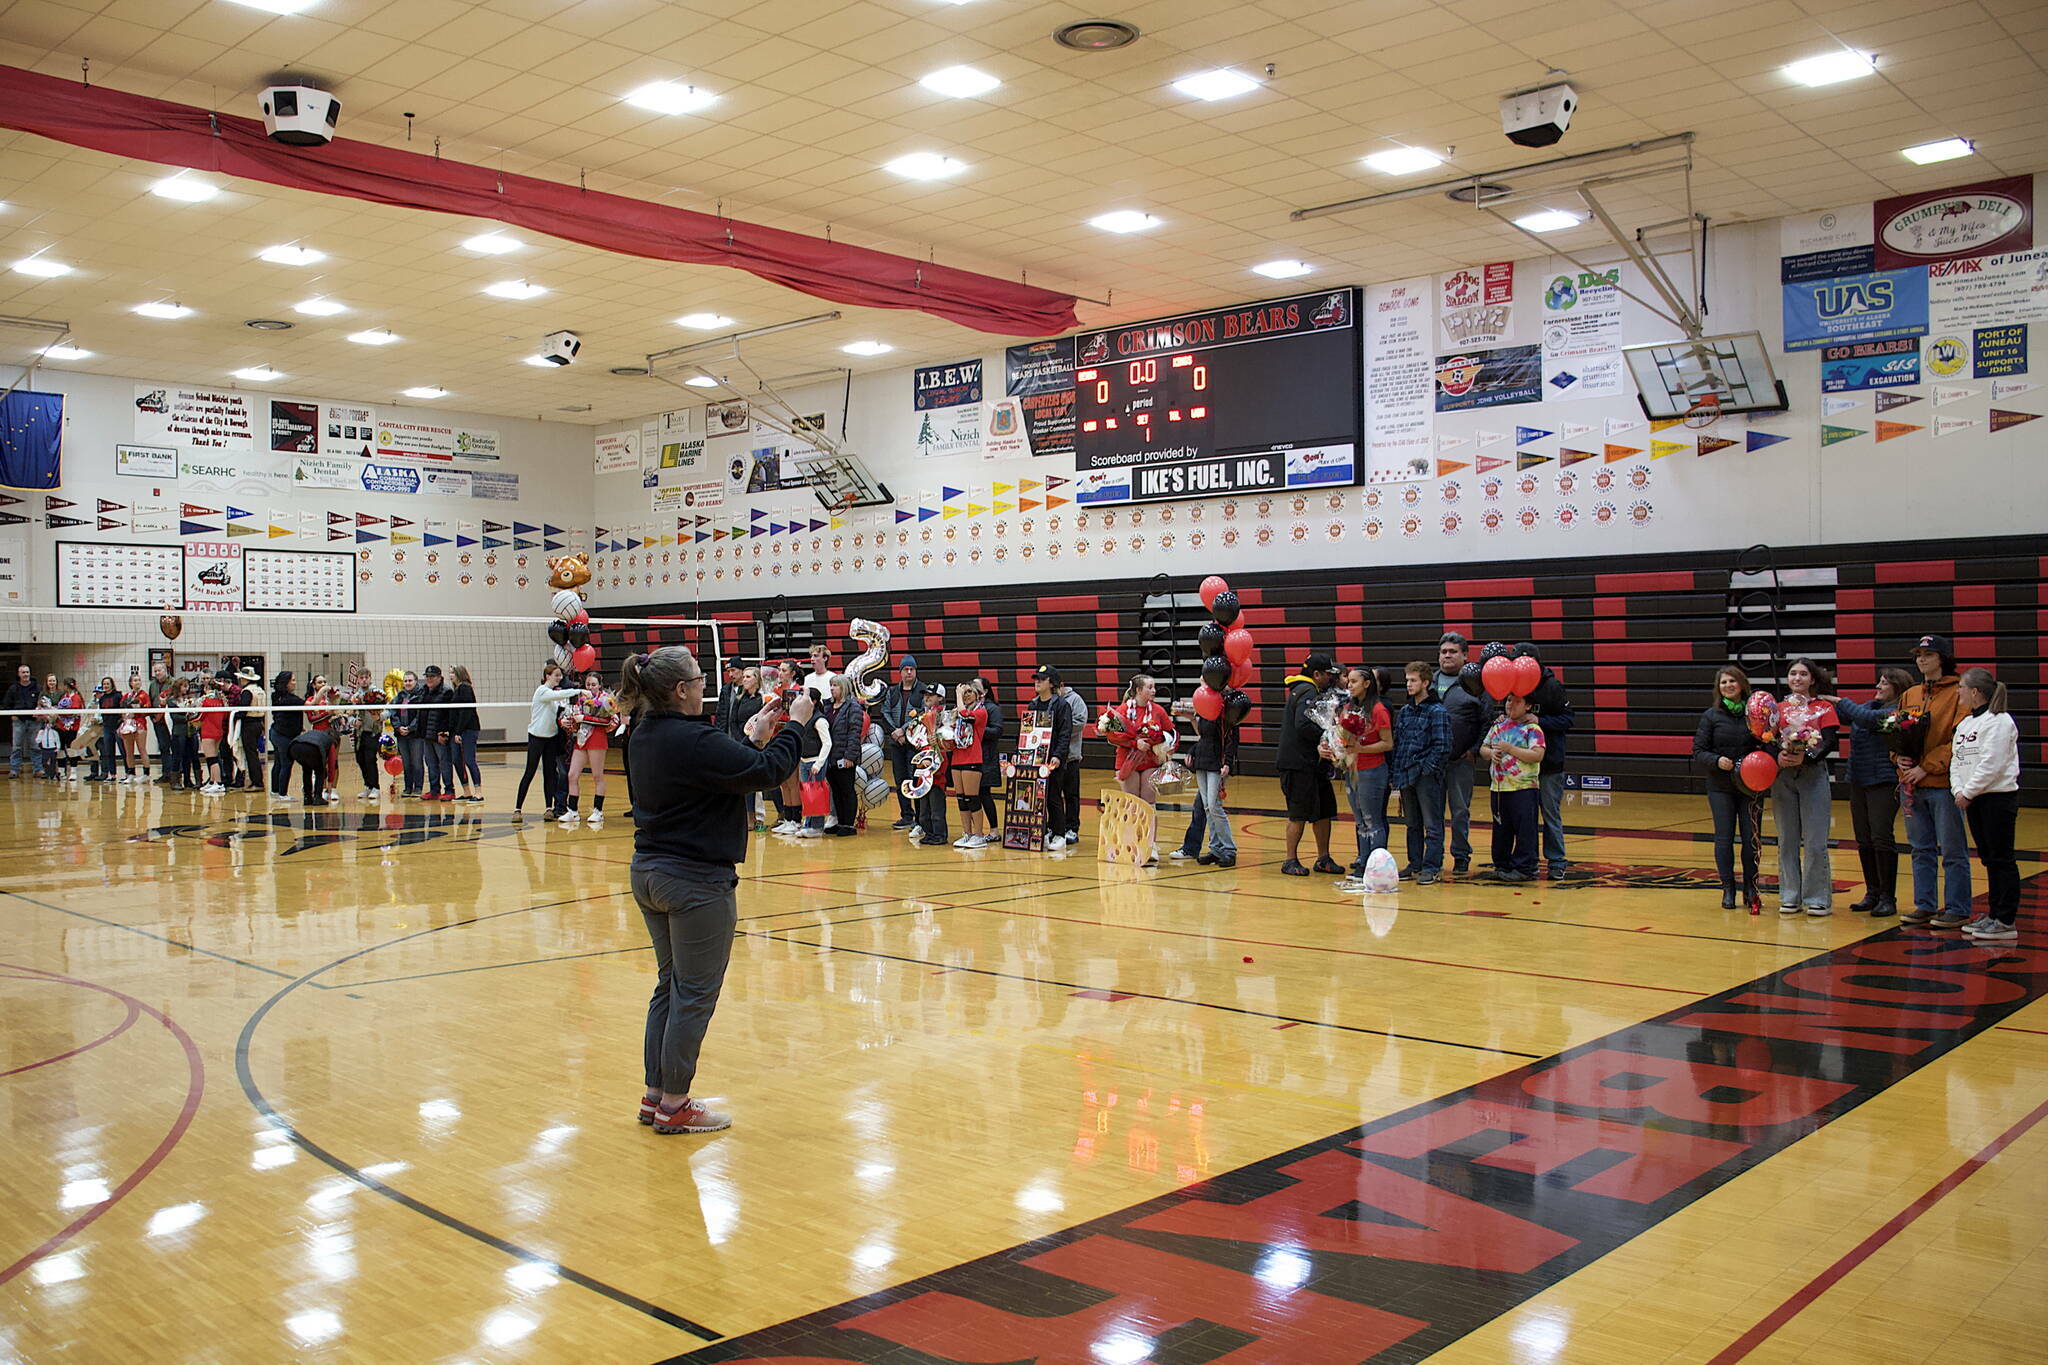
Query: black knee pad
[(968, 804)]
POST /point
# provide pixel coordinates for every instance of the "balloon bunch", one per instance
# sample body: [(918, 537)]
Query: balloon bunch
[(876, 637), (575, 643), (1503, 673), (1226, 649), (925, 758)]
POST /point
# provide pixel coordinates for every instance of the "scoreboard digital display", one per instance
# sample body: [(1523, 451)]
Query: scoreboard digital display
[(1238, 400)]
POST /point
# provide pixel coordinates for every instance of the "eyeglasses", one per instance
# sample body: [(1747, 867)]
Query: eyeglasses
[(693, 678)]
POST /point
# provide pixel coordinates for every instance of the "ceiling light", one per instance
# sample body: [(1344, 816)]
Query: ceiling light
[(425, 391), (704, 322), (1282, 270), (1124, 220), (42, 267), (258, 374), (286, 253), (319, 308), (492, 244), (278, 6), (669, 97), (1221, 84), (376, 336), (867, 347), (959, 82), (1948, 149), (1403, 160), (542, 362), (1835, 66), (269, 324), (514, 289), (1548, 220), (184, 190), (163, 308), (63, 352), (702, 381), (925, 166)]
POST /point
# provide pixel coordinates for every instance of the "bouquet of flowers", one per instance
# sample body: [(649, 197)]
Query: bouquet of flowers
[(1799, 723), (1110, 722), (1357, 729), (1904, 733)]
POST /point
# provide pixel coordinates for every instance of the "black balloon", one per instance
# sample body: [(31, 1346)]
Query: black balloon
[(1224, 608), (1495, 650), (1469, 678), (579, 636), (1236, 706), (558, 631), (1210, 640), (1216, 672)]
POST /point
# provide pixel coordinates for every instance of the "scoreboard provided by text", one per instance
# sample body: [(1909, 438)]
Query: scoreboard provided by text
[(1252, 399)]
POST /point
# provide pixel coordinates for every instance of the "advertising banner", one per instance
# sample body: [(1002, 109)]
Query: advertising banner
[(159, 463), (1870, 365), (1984, 219), (349, 431), (294, 427), (1040, 377), (1887, 303), (426, 441), (949, 397), (201, 419), (1486, 379), (213, 575)]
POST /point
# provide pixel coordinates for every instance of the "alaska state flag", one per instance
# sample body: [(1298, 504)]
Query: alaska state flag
[(31, 439)]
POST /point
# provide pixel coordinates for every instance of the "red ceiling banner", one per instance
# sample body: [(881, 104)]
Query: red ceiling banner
[(180, 135)]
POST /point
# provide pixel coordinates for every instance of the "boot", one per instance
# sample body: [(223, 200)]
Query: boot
[(1884, 909), (1727, 895)]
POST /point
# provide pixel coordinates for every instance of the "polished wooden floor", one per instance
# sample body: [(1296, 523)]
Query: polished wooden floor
[(358, 1085)]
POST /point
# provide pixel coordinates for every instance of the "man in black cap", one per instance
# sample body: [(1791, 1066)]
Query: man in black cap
[(897, 712), (1304, 775), (1553, 708), (1047, 709)]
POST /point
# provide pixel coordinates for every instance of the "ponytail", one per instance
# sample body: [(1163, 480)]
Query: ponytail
[(647, 682), (1980, 681), (1137, 680)]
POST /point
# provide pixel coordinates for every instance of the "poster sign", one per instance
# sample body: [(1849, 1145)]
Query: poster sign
[(213, 575), (703, 495), (385, 478), (1475, 306), (13, 571), (618, 452), (447, 483), (1398, 369), (1870, 365), (686, 456), (201, 419), (667, 501), (427, 441), (1984, 219), (93, 574), (1487, 379), (294, 427), (1841, 229), (1040, 377), (299, 580), (1989, 291), (323, 471), (1999, 351), (494, 486), (949, 397), (1582, 314), (1586, 376), (349, 431), (946, 386), (1888, 303), (727, 419), (157, 463)]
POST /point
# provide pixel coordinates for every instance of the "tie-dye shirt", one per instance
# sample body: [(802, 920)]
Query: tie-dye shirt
[(1511, 774)]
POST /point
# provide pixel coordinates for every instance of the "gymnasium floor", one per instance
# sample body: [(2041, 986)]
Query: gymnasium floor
[(357, 1085)]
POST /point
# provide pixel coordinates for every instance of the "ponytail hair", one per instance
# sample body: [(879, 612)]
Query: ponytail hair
[(1980, 681), (1138, 680), (647, 682)]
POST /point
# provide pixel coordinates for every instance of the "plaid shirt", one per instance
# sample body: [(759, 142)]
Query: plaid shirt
[(1422, 741)]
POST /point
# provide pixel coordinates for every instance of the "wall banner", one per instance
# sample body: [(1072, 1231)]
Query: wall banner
[(1984, 219), (157, 463), (1889, 303), (1486, 379), (426, 441), (213, 575), (349, 431), (294, 427), (1870, 365), (1040, 377), (203, 419), (949, 396)]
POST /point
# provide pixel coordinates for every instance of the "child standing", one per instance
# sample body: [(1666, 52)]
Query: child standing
[(1984, 781), (1514, 749)]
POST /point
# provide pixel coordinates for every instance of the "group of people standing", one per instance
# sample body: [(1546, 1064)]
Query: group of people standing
[(1933, 743)]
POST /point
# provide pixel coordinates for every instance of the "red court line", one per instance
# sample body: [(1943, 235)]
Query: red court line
[(1863, 1250), (2015, 1028), (134, 1013), (195, 1087)]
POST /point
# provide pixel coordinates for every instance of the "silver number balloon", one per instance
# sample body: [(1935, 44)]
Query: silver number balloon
[(876, 637)]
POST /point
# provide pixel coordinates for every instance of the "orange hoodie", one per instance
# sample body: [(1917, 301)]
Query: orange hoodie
[(1941, 702)]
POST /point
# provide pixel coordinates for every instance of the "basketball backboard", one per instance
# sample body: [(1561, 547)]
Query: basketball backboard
[(1731, 373), (842, 481)]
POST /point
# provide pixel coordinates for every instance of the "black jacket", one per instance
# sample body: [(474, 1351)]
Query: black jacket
[(690, 787), (846, 733), (898, 708), (992, 740), (437, 721), (320, 741), (734, 713), (1055, 713), (22, 698), (1215, 746), (465, 719), (1469, 719), (1722, 734), (1299, 736), (287, 724), (1553, 708)]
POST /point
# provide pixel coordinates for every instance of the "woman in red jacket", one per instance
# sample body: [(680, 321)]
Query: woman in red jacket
[(1144, 736)]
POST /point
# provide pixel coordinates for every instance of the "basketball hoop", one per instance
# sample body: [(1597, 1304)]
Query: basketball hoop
[(1703, 413)]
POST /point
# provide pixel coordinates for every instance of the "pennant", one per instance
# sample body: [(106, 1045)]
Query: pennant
[(550, 546), (1445, 467), (703, 536), (333, 518), (367, 519), (1056, 481), (1027, 485), (631, 543), (335, 533), (8, 500), (193, 510), (1447, 442), (464, 542), (1887, 400), (1834, 435), (817, 525), (1525, 459), (112, 524), (13, 518), (433, 540), (903, 515), (719, 534), (1833, 405), (490, 542), (520, 528), (1949, 426), (1621, 426), (525, 545), (836, 522), (1002, 488), (1002, 507), (1887, 430), (601, 533), (1027, 504), (948, 494), (1572, 431), (1529, 435), (237, 514), (546, 530), (197, 528), (1664, 423), (952, 512), (234, 530), (276, 531), (774, 529), (404, 538), (106, 507), (2002, 389), (52, 503), (1491, 438), (927, 513), (757, 530), (1482, 463), (1659, 449), (975, 509), (1051, 501), (53, 522), (1615, 452), (1944, 394), (365, 537), (2003, 420), (1758, 440), (1568, 458), (1709, 444)]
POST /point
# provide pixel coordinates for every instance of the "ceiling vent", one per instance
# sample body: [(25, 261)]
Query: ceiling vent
[(1485, 192), (1096, 35), (268, 324)]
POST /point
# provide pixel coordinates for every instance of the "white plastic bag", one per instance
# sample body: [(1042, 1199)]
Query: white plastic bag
[(1381, 872)]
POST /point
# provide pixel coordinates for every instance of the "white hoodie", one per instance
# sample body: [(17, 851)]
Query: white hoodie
[(1986, 756)]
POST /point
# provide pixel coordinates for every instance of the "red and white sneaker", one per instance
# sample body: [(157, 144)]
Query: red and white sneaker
[(689, 1117), (648, 1108)]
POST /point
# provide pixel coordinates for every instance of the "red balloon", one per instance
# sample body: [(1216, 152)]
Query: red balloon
[(1241, 674), (1208, 702), (584, 659), (1237, 645), (1758, 771), (1499, 677), (1528, 675), (581, 618), (1210, 587), (394, 766)]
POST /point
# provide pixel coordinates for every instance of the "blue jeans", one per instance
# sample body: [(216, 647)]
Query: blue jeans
[(412, 752), (1552, 787), (1367, 790), (1458, 807), (23, 754), (462, 749), (440, 764), (1935, 829), (1209, 818), (1424, 804), (1799, 807)]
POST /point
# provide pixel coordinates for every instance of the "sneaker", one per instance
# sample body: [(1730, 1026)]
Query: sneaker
[(1819, 911), (1487, 874), (1510, 875), (1982, 921), (1328, 867), (810, 832), (980, 841), (1427, 877), (568, 817), (1407, 871), (319, 803), (1559, 871), (213, 789), (1791, 909), (648, 1107), (1226, 860), (1916, 916), (1948, 921), (1054, 843), (1180, 855), (596, 817), (284, 797), (964, 841), (1996, 931), (916, 837), (1462, 868), (1293, 868), (903, 824), (330, 795), (1206, 860), (690, 1117)]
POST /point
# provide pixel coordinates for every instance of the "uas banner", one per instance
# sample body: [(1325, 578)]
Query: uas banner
[(1869, 307)]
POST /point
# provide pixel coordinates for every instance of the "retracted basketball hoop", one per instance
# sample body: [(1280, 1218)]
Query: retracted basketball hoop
[(1705, 411)]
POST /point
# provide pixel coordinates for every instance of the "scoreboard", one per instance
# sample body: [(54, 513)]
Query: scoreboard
[(1257, 398)]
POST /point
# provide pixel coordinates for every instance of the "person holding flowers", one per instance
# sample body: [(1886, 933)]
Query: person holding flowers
[(1143, 735), (1941, 852), (1874, 788), (1803, 740), (1359, 745)]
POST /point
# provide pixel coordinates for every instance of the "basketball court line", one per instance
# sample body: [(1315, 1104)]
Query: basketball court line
[(144, 933)]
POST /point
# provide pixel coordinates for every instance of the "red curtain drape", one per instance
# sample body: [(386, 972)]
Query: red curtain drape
[(180, 135)]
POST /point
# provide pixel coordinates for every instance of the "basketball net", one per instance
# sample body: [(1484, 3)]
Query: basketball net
[(1704, 413)]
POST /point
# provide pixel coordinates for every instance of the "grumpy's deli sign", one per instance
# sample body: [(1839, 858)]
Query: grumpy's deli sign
[(1985, 219)]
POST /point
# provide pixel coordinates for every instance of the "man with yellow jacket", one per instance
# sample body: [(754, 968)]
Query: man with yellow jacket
[(1941, 889)]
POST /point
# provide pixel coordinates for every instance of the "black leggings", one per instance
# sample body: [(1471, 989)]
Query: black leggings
[(543, 752), (1733, 814), (845, 802), (1993, 819), (366, 758), (1874, 810)]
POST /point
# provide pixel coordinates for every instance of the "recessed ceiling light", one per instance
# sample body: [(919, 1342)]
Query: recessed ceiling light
[(704, 322), (630, 371), (1124, 220), (1548, 220), (63, 352), (269, 324), (541, 362), (163, 308), (425, 391), (492, 244), (278, 6), (42, 267), (376, 336), (1834, 66), (701, 381), (1282, 270), (319, 308), (867, 347), (1221, 84), (1403, 160), (184, 189), (286, 253), (258, 374), (925, 166), (671, 97), (1948, 149), (959, 82), (514, 289)]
